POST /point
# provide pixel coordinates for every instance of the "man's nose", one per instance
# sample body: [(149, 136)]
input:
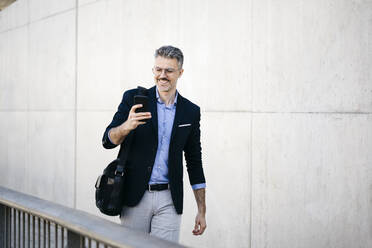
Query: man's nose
[(163, 74)]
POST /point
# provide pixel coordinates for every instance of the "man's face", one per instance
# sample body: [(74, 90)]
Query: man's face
[(166, 74)]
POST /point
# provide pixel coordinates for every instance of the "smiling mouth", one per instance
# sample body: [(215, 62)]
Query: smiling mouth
[(163, 81)]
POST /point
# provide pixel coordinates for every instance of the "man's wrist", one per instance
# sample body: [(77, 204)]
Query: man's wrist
[(117, 134), (202, 209), (201, 212), (124, 130), (200, 200)]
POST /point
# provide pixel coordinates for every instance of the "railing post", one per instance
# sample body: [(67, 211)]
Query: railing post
[(73, 240), (2, 225)]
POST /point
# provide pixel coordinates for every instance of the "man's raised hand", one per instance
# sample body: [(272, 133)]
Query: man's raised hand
[(136, 119)]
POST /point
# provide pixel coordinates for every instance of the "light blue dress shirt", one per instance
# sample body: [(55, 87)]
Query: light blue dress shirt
[(166, 115)]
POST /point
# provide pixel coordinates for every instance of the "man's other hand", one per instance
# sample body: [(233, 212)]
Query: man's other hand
[(200, 224)]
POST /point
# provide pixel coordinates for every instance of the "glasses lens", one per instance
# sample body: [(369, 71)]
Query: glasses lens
[(158, 70)]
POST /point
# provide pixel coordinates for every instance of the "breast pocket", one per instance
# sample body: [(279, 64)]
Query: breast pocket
[(183, 133)]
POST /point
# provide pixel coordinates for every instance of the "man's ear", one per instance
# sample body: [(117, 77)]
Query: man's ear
[(181, 72)]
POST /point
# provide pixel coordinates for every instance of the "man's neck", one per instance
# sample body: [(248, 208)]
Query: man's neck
[(167, 97)]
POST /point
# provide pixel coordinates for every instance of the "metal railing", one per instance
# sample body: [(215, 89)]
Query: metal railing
[(30, 222)]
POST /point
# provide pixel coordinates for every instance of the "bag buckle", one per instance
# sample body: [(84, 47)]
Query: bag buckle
[(98, 182), (118, 173)]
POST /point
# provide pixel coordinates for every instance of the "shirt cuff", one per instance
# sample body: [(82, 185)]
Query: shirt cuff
[(108, 136), (199, 186), (106, 142)]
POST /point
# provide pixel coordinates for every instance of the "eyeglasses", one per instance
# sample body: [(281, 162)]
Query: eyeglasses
[(157, 71)]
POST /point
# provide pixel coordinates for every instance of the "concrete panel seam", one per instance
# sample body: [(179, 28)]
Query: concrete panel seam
[(90, 3), (36, 110), (75, 110), (14, 28), (282, 112), (310, 112), (251, 130), (37, 20), (52, 15), (204, 111)]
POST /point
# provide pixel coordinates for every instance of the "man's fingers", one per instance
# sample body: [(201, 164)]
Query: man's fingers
[(142, 113), (200, 226), (146, 114), (140, 118), (134, 107), (196, 230), (136, 119), (196, 227)]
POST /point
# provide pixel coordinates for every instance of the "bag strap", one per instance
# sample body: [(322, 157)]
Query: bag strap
[(120, 169), (115, 198), (123, 156)]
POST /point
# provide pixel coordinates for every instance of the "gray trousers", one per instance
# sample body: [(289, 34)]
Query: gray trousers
[(155, 214)]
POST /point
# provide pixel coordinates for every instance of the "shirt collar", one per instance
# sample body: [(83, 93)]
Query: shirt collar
[(159, 99)]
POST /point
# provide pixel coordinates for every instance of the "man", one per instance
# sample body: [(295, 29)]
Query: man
[(154, 183)]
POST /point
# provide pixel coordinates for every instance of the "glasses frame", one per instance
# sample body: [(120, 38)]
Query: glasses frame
[(168, 71)]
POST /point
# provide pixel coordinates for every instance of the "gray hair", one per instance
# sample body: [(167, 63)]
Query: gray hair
[(170, 52)]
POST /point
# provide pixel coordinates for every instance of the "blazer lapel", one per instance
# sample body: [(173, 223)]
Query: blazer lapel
[(177, 118)]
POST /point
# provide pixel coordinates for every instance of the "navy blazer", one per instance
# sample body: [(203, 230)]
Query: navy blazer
[(141, 157)]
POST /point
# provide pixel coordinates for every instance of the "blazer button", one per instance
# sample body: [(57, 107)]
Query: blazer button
[(149, 169)]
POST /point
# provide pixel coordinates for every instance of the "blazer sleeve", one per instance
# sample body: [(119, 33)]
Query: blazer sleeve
[(120, 117), (193, 153)]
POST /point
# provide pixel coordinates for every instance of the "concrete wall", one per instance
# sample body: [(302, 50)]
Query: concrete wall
[(286, 93)]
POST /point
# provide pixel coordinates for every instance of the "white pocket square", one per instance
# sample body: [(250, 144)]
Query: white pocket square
[(184, 125)]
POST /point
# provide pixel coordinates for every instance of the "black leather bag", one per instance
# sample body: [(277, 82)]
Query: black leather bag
[(110, 185)]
